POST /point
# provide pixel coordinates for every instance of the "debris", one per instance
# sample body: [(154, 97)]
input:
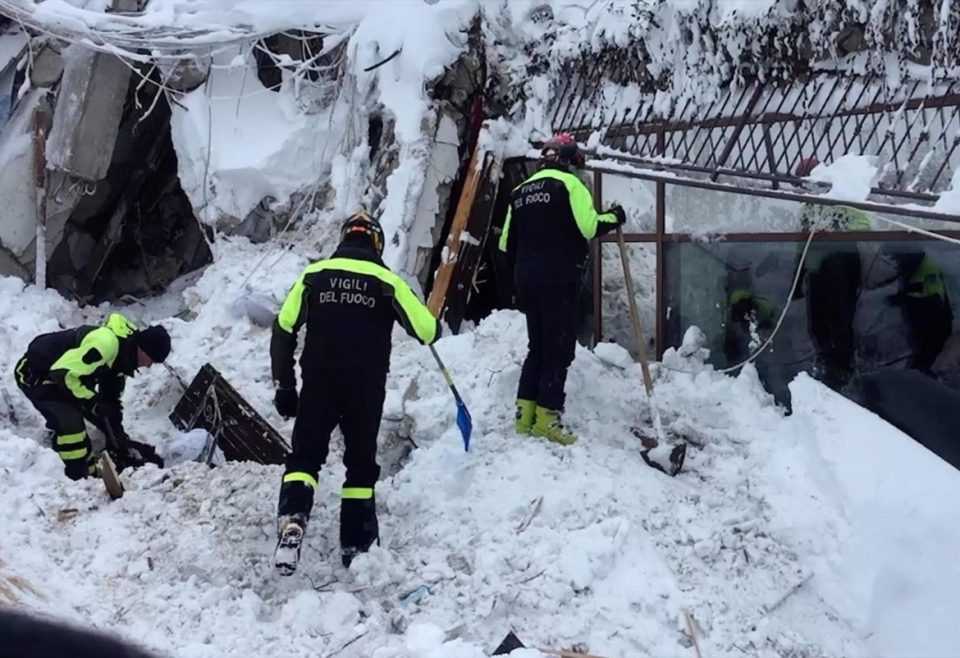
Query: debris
[(214, 405), (108, 472), (535, 506)]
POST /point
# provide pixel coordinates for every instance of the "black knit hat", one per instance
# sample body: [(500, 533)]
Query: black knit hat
[(155, 342)]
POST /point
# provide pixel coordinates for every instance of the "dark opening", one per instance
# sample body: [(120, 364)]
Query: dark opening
[(136, 232), (493, 285)]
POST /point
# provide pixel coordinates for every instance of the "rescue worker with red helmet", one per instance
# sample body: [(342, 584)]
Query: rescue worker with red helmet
[(348, 304), (549, 222)]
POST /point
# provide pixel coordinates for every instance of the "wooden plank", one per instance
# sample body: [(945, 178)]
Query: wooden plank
[(448, 263), (464, 271), (211, 403)]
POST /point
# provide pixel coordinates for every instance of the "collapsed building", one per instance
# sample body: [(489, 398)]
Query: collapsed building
[(128, 162)]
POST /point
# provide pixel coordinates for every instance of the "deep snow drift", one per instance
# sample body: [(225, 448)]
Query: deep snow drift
[(825, 533)]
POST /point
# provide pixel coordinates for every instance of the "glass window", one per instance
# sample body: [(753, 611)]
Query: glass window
[(859, 306), (708, 212), (617, 326), (638, 198)]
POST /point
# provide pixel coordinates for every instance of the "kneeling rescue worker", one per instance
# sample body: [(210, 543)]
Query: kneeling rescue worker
[(79, 374), (348, 304), (550, 219)]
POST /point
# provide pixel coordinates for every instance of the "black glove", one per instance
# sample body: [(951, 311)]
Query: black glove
[(620, 214), (285, 401), (138, 454)]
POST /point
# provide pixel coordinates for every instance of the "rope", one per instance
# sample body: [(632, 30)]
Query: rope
[(783, 314), (796, 281)]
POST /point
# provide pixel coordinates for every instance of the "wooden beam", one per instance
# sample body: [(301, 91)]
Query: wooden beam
[(451, 251)]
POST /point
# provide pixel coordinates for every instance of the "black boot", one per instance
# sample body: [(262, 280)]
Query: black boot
[(286, 556), (358, 527)]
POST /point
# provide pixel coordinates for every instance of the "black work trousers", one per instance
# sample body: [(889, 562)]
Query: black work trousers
[(551, 311), (930, 321), (832, 306), (64, 416), (351, 398)]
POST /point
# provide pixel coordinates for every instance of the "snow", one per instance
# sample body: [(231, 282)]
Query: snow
[(786, 534), (949, 201), (11, 45), (850, 176), (238, 143), (823, 533)]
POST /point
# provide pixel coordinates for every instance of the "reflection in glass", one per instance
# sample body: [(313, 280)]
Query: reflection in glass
[(860, 306)]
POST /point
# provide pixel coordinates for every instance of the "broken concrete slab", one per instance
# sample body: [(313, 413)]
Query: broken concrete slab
[(88, 113), (47, 67), (18, 229)]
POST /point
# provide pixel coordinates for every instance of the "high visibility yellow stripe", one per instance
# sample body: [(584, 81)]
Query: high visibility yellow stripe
[(419, 317), (72, 361), (70, 439), (71, 455), (357, 493), (20, 376), (306, 478)]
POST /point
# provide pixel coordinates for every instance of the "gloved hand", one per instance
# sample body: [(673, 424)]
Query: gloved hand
[(146, 453), (620, 213), (286, 401)]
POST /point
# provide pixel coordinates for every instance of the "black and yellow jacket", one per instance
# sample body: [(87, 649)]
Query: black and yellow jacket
[(348, 304), (90, 364), (550, 219)]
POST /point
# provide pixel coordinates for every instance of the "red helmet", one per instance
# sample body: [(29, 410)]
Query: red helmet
[(562, 148), (805, 166)]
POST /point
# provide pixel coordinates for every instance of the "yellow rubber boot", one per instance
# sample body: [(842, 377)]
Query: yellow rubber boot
[(547, 425), (526, 411)]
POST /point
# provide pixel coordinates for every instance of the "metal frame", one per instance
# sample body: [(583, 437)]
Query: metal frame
[(660, 237), (757, 134)]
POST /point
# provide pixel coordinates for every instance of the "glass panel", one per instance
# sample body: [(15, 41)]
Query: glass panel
[(860, 306), (617, 325), (638, 198), (704, 212)]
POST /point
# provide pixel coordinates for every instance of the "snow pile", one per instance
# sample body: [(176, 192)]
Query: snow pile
[(239, 143), (786, 535), (949, 201), (851, 177)]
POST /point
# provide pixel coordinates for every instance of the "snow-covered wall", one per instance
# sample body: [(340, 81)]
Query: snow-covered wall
[(18, 228), (241, 144)]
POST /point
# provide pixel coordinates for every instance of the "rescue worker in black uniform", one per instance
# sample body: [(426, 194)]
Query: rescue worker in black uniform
[(832, 287), (348, 304), (550, 219), (79, 375), (925, 305)]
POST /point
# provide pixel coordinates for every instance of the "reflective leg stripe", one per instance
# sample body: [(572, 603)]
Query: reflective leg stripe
[(71, 455), (357, 493), (20, 366), (71, 446), (71, 439), (306, 478)]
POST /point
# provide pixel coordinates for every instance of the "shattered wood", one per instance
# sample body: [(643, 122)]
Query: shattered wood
[(465, 242), (211, 403)]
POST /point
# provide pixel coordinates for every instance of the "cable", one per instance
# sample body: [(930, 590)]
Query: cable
[(915, 229), (783, 314), (796, 281)]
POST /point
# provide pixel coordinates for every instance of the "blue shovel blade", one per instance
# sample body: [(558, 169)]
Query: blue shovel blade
[(465, 423)]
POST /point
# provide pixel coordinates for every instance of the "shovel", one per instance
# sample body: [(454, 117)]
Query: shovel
[(657, 452)]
